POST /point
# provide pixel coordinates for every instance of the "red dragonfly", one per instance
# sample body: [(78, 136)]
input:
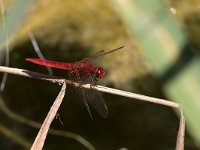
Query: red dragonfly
[(83, 71)]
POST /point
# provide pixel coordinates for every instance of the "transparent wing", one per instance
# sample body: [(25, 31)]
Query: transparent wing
[(96, 100), (91, 96), (102, 53), (94, 97)]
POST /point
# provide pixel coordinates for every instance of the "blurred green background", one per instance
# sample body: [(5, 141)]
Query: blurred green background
[(160, 59)]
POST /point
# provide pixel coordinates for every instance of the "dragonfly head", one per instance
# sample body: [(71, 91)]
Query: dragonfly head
[(100, 73)]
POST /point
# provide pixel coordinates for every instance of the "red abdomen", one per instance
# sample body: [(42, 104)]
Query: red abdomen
[(53, 64)]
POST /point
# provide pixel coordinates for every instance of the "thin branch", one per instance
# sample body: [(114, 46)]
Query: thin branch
[(137, 96), (181, 133), (4, 79), (31, 74), (5, 76), (40, 139), (37, 50)]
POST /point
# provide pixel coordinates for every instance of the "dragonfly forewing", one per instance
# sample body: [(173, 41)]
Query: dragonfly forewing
[(94, 97), (91, 96), (96, 100)]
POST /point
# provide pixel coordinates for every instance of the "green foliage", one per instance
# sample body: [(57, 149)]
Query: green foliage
[(164, 43), (12, 19)]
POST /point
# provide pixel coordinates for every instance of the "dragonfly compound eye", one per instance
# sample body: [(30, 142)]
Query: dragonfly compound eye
[(100, 73)]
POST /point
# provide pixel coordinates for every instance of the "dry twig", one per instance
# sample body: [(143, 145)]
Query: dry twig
[(181, 133), (40, 139), (31, 74)]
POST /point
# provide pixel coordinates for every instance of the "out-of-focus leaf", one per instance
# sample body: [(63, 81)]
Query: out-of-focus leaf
[(12, 20), (164, 44)]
